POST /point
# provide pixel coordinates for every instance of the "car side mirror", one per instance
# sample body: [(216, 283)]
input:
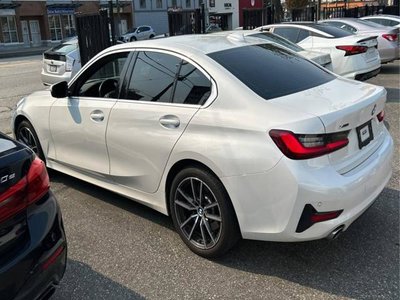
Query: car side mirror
[(59, 90)]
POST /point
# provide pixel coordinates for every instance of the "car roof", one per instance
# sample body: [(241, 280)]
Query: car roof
[(189, 44), (382, 17)]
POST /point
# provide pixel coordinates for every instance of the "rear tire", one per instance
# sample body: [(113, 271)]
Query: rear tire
[(151, 36), (133, 39), (26, 134), (202, 213)]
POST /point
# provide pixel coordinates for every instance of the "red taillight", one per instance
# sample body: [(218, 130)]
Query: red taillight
[(304, 146), (38, 181), (13, 200), (381, 116), (26, 191), (352, 50), (325, 216), (390, 37), (53, 258)]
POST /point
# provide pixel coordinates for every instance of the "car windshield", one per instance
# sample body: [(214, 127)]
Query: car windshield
[(333, 31), (278, 40), (271, 71), (65, 48), (132, 30)]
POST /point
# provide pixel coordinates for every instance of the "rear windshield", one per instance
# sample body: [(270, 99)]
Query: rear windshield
[(271, 71), (369, 23), (65, 48), (279, 40), (333, 31)]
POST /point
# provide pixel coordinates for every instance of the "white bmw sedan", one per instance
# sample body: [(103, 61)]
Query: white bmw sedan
[(230, 137)]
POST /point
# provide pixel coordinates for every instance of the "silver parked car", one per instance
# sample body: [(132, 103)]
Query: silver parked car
[(138, 33), (61, 62), (388, 45)]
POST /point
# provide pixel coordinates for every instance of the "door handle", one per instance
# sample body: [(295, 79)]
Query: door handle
[(170, 121), (97, 115)]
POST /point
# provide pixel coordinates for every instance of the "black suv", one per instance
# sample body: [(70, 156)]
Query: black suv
[(33, 247)]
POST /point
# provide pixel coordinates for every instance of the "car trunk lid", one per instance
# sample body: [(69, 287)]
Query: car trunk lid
[(355, 112)]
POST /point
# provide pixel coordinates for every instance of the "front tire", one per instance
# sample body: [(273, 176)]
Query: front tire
[(133, 39), (202, 213), (26, 134)]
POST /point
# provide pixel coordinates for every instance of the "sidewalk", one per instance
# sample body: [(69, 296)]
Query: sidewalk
[(21, 51)]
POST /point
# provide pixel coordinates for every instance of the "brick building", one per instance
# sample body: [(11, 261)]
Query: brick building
[(37, 23)]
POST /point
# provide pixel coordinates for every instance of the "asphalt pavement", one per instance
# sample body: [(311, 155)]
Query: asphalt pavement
[(119, 249)]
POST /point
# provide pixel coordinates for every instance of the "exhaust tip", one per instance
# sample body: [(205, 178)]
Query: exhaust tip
[(335, 233)]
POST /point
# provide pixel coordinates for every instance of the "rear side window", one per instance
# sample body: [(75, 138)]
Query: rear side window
[(279, 40), (333, 31), (192, 86), (288, 33), (271, 71), (65, 48), (343, 26), (303, 34)]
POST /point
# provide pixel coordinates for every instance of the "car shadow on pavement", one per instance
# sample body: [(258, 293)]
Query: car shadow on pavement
[(112, 198), (362, 263), (82, 282)]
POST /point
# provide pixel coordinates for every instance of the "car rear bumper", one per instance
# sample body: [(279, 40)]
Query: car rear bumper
[(41, 264), (269, 205), (49, 79)]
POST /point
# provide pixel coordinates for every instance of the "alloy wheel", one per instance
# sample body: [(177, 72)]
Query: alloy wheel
[(198, 213), (26, 137)]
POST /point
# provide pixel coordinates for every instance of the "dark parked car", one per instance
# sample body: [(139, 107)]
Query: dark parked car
[(33, 247)]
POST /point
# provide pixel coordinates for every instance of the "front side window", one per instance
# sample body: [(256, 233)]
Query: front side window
[(9, 29), (103, 78), (271, 71), (153, 77)]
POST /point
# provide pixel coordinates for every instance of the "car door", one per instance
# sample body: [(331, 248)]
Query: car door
[(78, 122), (149, 118)]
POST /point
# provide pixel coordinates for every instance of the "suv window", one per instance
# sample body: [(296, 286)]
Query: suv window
[(102, 79), (192, 87), (289, 33), (153, 77), (271, 71)]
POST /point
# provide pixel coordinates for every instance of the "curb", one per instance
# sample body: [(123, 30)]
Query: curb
[(18, 53)]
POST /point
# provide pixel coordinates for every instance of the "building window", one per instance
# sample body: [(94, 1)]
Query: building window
[(55, 28), (69, 25), (174, 3), (159, 4), (9, 29), (142, 3), (188, 4), (212, 3)]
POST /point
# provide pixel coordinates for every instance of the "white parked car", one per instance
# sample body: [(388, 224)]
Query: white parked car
[(385, 20), (388, 45), (231, 138), (138, 33), (61, 62), (353, 56)]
